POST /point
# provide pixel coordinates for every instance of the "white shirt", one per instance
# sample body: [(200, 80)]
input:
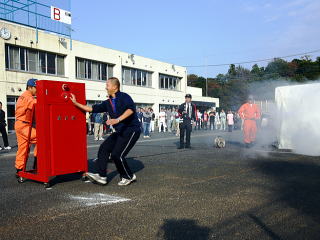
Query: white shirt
[(162, 116), (190, 109)]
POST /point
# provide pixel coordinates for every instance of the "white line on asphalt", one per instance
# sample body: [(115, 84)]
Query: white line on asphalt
[(8, 154), (98, 199)]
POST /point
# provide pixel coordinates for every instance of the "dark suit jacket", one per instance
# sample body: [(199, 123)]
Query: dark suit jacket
[(182, 108), (2, 118)]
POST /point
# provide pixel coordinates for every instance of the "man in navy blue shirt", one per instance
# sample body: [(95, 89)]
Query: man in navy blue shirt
[(123, 117)]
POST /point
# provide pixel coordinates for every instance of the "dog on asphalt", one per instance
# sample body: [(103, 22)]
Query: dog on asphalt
[(219, 142)]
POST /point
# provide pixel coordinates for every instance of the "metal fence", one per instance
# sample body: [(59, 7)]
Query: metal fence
[(36, 14)]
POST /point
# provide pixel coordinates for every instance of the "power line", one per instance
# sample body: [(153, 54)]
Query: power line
[(264, 77), (253, 61)]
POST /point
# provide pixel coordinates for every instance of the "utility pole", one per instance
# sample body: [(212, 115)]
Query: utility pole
[(206, 66)]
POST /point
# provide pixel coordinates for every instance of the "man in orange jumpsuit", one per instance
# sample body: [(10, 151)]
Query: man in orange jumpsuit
[(23, 116), (249, 112)]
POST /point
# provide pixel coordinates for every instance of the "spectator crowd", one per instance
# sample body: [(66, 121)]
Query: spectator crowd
[(167, 120)]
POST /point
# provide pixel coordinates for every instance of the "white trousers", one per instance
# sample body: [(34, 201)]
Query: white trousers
[(162, 124)]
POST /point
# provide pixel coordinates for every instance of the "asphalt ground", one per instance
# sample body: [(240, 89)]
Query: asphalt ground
[(201, 193)]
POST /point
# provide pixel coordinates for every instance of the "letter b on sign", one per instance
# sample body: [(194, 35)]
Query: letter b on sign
[(56, 14), (60, 15)]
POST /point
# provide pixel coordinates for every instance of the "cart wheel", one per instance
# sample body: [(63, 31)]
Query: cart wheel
[(21, 180), (84, 178), (47, 185)]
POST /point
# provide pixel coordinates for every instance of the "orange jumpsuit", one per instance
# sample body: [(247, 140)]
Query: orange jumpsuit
[(23, 116), (249, 113)]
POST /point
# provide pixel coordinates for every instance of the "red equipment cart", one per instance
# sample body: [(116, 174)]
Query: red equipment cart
[(61, 132)]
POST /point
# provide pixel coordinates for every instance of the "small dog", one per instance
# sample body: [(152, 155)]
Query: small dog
[(219, 142)]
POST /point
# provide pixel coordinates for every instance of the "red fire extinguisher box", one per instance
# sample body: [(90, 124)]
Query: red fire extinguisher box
[(61, 131)]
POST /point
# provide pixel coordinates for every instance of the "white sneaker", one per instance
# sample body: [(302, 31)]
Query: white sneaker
[(96, 139), (101, 139), (0, 148), (7, 148), (95, 177), (134, 178), (125, 182)]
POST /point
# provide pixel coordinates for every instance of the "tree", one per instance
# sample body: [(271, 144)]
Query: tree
[(192, 79), (278, 67), (196, 81), (232, 70), (214, 87), (256, 73), (233, 87), (307, 68)]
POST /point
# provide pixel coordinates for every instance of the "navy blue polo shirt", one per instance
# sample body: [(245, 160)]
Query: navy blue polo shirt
[(116, 107)]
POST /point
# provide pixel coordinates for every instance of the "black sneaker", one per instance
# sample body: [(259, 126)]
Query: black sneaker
[(180, 147), (17, 172)]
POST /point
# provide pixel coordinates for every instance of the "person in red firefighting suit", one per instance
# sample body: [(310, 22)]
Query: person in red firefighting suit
[(249, 113), (23, 116)]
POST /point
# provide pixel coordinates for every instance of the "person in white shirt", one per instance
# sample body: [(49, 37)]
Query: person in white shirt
[(152, 120), (162, 121), (174, 122), (169, 119), (198, 121), (230, 121), (217, 121), (223, 118)]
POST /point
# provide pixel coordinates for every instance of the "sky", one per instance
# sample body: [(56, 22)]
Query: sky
[(202, 32)]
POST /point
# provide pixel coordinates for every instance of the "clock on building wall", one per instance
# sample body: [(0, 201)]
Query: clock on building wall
[(5, 33)]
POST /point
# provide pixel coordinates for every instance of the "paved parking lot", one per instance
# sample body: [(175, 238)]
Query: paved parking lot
[(202, 193)]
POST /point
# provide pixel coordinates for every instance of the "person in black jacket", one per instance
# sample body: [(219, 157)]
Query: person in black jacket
[(187, 110), (3, 130), (123, 117)]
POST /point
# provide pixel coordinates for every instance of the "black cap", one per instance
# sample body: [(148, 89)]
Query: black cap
[(188, 95)]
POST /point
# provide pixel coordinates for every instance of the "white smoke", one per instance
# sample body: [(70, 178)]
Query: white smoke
[(299, 118), (293, 117)]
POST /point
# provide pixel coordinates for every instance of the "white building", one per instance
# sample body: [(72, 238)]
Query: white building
[(149, 82)]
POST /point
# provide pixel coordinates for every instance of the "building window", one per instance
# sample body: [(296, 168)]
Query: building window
[(60, 65), (168, 106), (14, 58), (169, 82), (144, 105), (11, 108), (51, 63), (43, 62), (30, 60), (93, 102), (136, 77), (93, 70)]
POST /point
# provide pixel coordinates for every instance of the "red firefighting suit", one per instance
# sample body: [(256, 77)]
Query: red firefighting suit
[(23, 116), (249, 113)]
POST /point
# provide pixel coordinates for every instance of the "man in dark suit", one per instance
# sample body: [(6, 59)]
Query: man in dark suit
[(187, 110)]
